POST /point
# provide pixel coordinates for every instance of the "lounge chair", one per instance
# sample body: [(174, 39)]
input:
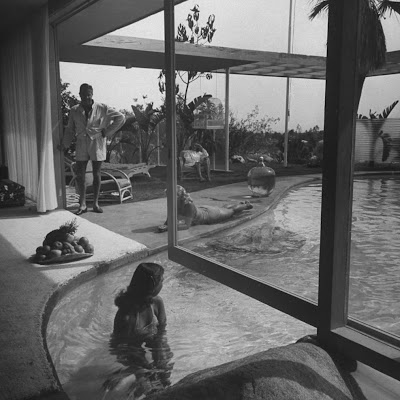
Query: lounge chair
[(115, 184), (130, 169)]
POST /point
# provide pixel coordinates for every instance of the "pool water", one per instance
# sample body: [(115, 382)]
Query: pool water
[(208, 323), (290, 258)]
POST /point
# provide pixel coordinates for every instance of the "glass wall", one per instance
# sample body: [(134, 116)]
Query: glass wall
[(375, 244), (286, 276)]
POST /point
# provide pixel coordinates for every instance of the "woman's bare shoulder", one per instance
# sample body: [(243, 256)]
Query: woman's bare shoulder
[(157, 301)]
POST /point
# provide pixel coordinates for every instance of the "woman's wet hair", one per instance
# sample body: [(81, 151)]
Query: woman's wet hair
[(183, 195), (140, 291)]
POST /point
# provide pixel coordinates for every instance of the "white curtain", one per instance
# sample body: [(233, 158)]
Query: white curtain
[(25, 98)]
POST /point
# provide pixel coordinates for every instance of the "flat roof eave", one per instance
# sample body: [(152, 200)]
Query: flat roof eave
[(129, 52)]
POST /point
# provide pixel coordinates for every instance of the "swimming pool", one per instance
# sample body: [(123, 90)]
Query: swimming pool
[(290, 258), (208, 323)]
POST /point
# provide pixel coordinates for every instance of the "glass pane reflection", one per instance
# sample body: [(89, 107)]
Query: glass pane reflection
[(280, 246)]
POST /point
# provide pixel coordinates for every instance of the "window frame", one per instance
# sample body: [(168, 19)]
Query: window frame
[(335, 330)]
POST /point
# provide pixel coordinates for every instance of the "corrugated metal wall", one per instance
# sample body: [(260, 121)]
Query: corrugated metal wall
[(377, 140)]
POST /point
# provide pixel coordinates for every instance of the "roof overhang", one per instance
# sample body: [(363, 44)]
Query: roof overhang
[(80, 21), (149, 53)]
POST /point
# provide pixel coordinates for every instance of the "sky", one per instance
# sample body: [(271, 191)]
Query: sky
[(254, 25)]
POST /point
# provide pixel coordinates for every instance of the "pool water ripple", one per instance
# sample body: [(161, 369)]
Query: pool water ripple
[(375, 248)]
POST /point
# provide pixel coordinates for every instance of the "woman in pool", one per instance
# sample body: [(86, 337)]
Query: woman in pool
[(139, 339), (189, 214), (141, 310)]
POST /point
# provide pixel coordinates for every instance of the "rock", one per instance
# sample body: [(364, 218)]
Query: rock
[(296, 371)]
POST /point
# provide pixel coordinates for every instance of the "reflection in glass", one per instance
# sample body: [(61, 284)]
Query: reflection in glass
[(280, 246)]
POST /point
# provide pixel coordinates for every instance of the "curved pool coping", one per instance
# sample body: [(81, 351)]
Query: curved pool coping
[(283, 186)]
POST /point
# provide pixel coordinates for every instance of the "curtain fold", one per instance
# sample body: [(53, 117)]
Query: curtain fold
[(47, 198), (18, 100), (25, 97)]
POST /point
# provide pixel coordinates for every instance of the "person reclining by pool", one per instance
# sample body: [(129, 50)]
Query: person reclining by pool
[(189, 214)]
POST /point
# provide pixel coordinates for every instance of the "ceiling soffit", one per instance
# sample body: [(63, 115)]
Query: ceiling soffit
[(103, 16)]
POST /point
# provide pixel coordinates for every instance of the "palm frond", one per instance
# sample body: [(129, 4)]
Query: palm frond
[(388, 110), (155, 119), (196, 102), (321, 6), (372, 40), (141, 117), (386, 6)]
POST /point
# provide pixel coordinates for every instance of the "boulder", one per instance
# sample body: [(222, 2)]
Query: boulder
[(301, 371)]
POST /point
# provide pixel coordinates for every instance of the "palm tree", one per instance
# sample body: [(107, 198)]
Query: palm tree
[(372, 38)]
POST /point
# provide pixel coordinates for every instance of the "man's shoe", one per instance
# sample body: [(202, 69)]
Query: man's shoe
[(81, 211), (98, 210)]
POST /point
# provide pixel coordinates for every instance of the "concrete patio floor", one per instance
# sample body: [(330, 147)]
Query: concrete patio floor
[(122, 234)]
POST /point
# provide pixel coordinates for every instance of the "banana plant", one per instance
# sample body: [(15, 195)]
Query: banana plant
[(384, 114), (147, 120), (378, 132), (185, 112)]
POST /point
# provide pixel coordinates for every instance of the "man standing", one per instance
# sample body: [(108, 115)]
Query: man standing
[(91, 123)]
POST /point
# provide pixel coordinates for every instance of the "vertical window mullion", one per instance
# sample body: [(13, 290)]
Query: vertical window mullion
[(339, 126), (169, 34)]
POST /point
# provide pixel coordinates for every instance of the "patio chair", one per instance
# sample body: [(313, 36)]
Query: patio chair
[(190, 163), (130, 169), (115, 184)]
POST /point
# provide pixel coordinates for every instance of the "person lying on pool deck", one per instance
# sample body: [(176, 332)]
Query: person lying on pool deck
[(189, 214)]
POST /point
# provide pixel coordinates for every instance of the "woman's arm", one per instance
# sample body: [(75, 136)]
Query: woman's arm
[(186, 213), (159, 310)]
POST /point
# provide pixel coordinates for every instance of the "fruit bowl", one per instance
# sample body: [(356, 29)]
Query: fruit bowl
[(61, 246), (62, 259)]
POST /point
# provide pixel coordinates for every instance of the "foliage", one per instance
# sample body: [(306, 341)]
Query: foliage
[(122, 146), (198, 35), (195, 34), (372, 40), (68, 100), (302, 145), (378, 133), (252, 134), (138, 134), (185, 133), (384, 114), (147, 119)]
